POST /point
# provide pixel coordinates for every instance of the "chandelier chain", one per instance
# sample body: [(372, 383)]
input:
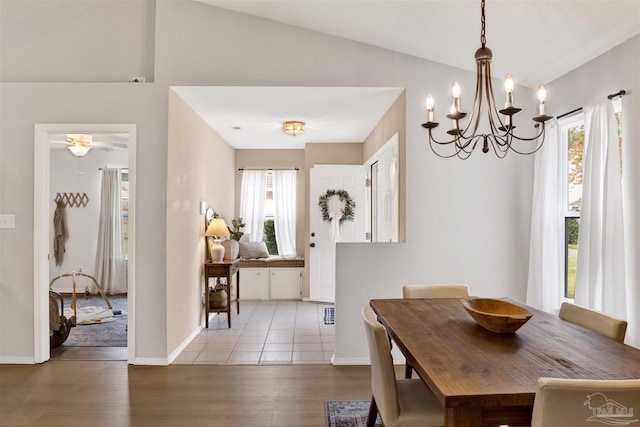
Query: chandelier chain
[(483, 39)]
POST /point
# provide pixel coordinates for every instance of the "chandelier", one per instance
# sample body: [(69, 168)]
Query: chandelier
[(293, 128), (501, 137)]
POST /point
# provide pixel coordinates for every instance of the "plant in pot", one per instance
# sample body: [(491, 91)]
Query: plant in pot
[(231, 246)]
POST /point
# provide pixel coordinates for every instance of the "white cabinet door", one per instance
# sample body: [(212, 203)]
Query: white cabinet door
[(286, 283), (254, 283)]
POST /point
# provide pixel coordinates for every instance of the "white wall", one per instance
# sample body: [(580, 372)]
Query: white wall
[(617, 69), (71, 174), (97, 41), (200, 167), (466, 221)]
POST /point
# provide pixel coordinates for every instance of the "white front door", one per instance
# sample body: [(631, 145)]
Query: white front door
[(322, 262)]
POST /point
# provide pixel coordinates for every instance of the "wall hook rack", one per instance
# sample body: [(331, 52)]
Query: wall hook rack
[(73, 200)]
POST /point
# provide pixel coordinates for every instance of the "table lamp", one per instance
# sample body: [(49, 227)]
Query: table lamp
[(216, 229)]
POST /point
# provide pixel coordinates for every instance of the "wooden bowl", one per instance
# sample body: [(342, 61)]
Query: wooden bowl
[(496, 315)]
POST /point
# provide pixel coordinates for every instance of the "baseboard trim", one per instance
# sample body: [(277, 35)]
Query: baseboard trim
[(346, 361), (17, 361), (150, 361), (175, 353)]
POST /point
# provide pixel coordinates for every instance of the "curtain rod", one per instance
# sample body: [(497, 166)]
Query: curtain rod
[(619, 93), (268, 169)]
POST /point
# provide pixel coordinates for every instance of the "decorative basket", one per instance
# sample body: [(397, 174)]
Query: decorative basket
[(217, 298)]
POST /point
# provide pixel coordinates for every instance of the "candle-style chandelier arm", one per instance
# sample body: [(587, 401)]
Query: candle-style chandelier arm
[(540, 137)]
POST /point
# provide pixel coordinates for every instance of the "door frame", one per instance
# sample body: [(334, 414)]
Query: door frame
[(41, 229)]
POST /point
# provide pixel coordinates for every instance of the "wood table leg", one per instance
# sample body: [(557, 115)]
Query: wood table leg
[(229, 299), (206, 301), (238, 291)]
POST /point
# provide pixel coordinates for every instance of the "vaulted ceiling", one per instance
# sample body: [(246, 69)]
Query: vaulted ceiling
[(536, 41)]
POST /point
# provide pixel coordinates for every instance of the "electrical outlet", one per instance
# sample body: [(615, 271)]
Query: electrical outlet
[(7, 221)]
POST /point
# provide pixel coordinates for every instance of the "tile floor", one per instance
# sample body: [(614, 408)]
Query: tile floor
[(267, 333)]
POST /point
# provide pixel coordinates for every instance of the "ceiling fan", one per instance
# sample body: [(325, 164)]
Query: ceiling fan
[(80, 144)]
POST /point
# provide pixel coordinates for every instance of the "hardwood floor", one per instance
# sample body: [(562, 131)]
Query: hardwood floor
[(112, 393)]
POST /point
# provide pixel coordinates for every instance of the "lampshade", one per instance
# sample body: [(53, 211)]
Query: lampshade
[(217, 228), (293, 128)]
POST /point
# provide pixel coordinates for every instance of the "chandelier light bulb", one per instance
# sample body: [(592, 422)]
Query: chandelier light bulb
[(455, 90), (508, 83), (430, 103), (429, 108), (508, 87), (542, 98)]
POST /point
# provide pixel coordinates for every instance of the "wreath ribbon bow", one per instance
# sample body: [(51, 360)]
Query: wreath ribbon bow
[(334, 229)]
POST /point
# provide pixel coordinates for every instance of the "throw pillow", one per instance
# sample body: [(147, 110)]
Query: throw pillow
[(250, 250)]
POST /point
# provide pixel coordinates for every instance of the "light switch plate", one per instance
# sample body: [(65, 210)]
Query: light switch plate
[(7, 221)]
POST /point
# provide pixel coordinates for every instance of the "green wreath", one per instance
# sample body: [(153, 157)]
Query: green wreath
[(347, 210)]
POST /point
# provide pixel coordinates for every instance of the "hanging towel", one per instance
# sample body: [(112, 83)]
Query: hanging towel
[(60, 230)]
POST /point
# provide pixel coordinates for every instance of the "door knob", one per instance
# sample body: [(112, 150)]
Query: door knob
[(312, 245)]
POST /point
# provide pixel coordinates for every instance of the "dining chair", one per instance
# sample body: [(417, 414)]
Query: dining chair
[(435, 291), (594, 320), (432, 291), (576, 402), (400, 402)]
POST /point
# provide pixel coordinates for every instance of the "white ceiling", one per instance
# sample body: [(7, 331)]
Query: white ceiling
[(536, 41), (330, 114)]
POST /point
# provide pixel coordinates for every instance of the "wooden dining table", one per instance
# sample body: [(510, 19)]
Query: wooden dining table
[(483, 378)]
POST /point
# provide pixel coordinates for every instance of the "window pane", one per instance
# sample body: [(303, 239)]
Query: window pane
[(572, 228), (270, 236), (575, 138)]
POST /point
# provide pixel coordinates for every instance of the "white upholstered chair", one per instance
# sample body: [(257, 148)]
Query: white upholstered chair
[(400, 402), (432, 291), (435, 291), (594, 320), (577, 403)]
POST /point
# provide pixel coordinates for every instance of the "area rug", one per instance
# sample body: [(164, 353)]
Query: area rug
[(329, 316), (348, 413), (97, 326)]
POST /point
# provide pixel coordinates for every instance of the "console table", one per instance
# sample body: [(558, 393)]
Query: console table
[(224, 269)]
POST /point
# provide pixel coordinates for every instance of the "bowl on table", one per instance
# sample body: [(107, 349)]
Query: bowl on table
[(497, 315)]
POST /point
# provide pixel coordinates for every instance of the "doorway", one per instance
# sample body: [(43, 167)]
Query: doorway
[(113, 146), (325, 179)]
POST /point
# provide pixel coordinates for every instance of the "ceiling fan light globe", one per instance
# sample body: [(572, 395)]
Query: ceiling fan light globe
[(78, 150)]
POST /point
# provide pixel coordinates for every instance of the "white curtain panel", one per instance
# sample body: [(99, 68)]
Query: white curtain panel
[(600, 275), (544, 287), (111, 268), (284, 217), (252, 198)]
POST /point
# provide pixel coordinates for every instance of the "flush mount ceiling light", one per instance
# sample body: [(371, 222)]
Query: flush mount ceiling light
[(79, 144), (293, 128), (501, 137)]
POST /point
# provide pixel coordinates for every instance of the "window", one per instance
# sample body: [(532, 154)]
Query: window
[(268, 208), (572, 135), (269, 236)]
